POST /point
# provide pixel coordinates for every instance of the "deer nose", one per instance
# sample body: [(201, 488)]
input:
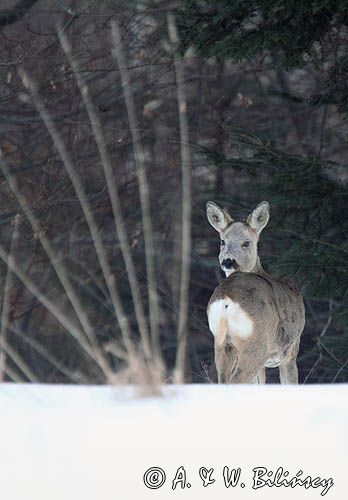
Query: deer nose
[(229, 263)]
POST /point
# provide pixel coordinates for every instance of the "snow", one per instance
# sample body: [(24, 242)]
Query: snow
[(96, 442)]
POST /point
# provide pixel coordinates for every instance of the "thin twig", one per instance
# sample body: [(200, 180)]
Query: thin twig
[(330, 353), (340, 370), (179, 374), (205, 369), (113, 193), (322, 130), (92, 225), (329, 321), (143, 190), (6, 302), (320, 357)]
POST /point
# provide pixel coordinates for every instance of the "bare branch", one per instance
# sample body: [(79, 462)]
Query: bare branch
[(19, 361), (345, 364), (77, 378), (33, 289), (6, 302), (179, 374), (13, 375), (144, 192), (60, 271), (329, 320), (114, 197), (91, 222)]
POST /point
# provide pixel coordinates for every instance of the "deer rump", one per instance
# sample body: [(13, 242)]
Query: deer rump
[(248, 308)]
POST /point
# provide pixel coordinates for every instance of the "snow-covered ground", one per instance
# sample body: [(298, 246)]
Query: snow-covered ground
[(86, 442)]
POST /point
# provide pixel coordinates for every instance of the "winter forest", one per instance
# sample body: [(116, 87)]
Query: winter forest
[(119, 120)]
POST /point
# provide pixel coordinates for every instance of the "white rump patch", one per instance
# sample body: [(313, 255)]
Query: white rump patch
[(226, 316)]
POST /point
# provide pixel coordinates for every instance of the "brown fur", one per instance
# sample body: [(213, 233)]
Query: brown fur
[(275, 307)]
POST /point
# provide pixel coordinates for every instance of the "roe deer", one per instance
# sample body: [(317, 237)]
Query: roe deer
[(256, 320)]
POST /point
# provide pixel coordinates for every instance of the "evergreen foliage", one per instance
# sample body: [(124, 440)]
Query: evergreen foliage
[(287, 34), (308, 225), (240, 29), (309, 220)]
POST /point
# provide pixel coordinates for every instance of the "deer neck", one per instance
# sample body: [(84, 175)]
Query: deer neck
[(258, 269)]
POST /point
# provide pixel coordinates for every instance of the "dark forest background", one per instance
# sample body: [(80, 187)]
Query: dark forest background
[(235, 102)]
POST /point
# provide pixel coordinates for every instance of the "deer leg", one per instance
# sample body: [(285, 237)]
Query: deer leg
[(288, 371), (260, 378), (249, 370)]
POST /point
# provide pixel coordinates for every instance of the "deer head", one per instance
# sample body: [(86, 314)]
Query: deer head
[(238, 247)]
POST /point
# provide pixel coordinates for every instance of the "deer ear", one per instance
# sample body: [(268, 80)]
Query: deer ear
[(259, 217), (217, 217)]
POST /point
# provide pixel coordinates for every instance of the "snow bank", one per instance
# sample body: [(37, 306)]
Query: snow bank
[(87, 442)]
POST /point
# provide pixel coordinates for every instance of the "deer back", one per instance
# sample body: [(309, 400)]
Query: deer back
[(272, 306)]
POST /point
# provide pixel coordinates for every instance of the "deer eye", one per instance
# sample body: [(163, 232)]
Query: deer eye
[(222, 243), (246, 244)]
